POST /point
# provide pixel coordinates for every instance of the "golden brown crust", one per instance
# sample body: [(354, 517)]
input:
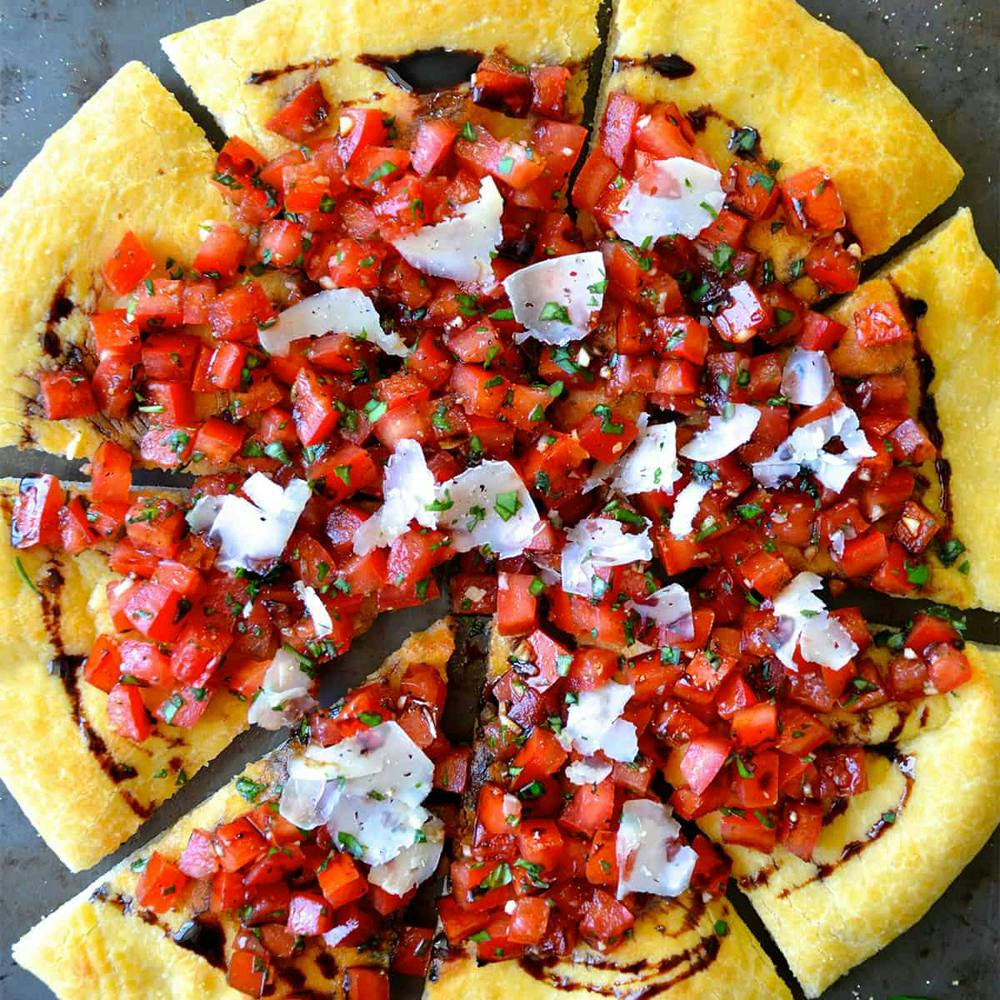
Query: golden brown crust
[(815, 98), (943, 790), (680, 950), (131, 158), (218, 58), (73, 801), (97, 946), (677, 952), (948, 272)]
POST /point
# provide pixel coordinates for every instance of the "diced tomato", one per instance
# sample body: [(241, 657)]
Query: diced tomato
[(947, 666), (365, 983), (127, 713), (238, 843), (66, 393), (517, 603), (76, 532), (412, 955), (248, 972), (750, 830), (812, 202), (606, 919), (161, 885), (303, 115), (590, 808), (755, 724), (221, 252), (128, 265), (801, 826), (199, 859), (340, 881), (833, 267), (35, 519)]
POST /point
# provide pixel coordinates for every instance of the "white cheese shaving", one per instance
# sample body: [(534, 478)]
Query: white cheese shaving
[(670, 607), (459, 248), (588, 771), (407, 491), (251, 533), (724, 434), (686, 508), (650, 857), (805, 624), (597, 543), (337, 310), (369, 791), (556, 299), (804, 448), (315, 608), (651, 462), (488, 505), (594, 723), (807, 378), (672, 197), (284, 695)]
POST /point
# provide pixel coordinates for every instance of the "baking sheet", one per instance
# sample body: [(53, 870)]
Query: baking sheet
[(944, 55)]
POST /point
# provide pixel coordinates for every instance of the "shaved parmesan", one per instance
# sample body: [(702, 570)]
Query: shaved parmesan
[(459, 248), (724, 434), (807, 378), (488, 505), (804, 449), (594, 723), (284, 695), (412, 865), (408, 491), (588, 771), (672, 197), (315, 608), (686, 508), (805, 624), (369, 790), (670, 607), (595, 544), (651, 463), (649, 853), (251, 533), (337, 310), (555, 300)]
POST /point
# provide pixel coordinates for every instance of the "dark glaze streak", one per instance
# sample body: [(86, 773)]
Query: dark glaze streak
[(267, 75), (906, 766), (204, 936), (673, 66), (327, 965), (692, 960), (426, 71), (60, 308), (914, 310), (67, 669)]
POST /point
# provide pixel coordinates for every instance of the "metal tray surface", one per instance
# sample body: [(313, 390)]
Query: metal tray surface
[(944, 55)]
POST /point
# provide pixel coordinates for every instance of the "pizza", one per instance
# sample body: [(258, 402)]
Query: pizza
[(626, 381)]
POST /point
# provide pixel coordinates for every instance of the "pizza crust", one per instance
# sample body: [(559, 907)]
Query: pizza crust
[(71, 800), (130, 158), (217, 58), (98, 947), (825, 924), (676, 952), (960, 332), (813, 95)]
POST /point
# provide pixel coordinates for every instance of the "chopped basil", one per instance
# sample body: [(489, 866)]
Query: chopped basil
[(23, 574), (249, 789), (554, 312), (507, 505), (351, 845)]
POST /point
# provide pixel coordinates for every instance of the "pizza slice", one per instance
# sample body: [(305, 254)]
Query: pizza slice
[(127, 179), (568, 873), (791, 111), (277, 72), (254, 892), (884, 856), (100, 786), (936, 309)]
